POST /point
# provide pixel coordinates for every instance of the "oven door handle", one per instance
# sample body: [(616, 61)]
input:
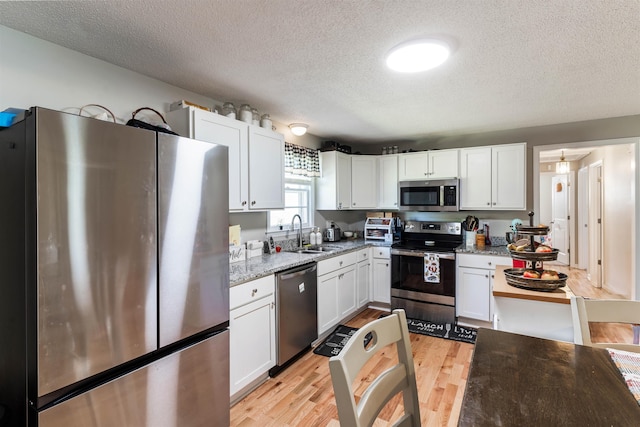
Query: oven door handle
[(421, 254)]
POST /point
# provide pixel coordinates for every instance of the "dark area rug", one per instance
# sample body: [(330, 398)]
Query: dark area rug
[(449, 331), (337, 340)]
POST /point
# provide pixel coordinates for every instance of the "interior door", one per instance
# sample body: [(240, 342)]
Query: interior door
[(583, 218), (560, 215), (594, 270)]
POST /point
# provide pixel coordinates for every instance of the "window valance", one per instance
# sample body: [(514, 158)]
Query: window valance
[(299, 160)]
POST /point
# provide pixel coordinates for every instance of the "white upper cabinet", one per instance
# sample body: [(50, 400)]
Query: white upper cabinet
[(435, 164), (364, 182), (266, 169), (333, 187), (388, 181), (508, 176), (256, 156), (493, 177)]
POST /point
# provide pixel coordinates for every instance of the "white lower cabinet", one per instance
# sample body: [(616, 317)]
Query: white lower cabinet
[(474, 285), (337, 292), (381, 275), (252, 325)]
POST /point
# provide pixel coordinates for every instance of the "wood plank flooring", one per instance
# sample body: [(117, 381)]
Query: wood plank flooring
[(600, 332), (302, 395)]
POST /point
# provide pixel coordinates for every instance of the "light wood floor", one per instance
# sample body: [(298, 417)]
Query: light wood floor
[(580, 285), (302, 395)]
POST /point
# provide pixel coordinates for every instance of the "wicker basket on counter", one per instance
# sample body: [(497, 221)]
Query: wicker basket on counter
[(514, 276)]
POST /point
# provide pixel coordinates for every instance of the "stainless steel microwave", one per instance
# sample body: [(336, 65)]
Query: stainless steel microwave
[(439, 195)]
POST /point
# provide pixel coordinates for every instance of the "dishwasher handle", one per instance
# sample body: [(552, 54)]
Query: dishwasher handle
[(307, 269)]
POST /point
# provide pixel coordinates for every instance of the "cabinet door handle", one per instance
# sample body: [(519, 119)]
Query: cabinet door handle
[(493, 276), (486, 276), (488, 204), (341, 276), (253, 203), (341, 263), (354, 203), (489, 263), (244, 203), (273, 305), (494, 203), (387, 264), (254, 292)]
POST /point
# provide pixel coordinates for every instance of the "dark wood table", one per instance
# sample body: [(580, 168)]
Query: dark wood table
[(517, 380)]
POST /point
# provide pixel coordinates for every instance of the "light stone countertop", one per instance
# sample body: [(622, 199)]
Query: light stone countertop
[(254, 268), (488, 250)]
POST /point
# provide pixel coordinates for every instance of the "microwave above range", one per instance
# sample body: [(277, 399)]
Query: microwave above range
[(438, 195)]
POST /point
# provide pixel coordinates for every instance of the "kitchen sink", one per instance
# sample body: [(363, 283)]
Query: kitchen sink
[(320, 249)]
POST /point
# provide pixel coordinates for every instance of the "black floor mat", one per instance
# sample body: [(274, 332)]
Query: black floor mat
[(332, 345)]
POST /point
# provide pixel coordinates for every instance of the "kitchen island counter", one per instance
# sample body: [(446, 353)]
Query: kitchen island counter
[(535, 313), (502, 289)]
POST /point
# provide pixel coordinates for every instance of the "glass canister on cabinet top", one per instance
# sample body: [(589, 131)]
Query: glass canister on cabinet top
[(229, 110), (265, 122), (255, 117), (245, 114)]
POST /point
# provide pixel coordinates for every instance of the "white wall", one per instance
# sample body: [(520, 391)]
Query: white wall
[(618, 217), (34, 72)]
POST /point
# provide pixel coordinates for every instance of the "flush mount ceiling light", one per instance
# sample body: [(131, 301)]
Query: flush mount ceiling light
[(418, 55), (298, 129), (562, 167)]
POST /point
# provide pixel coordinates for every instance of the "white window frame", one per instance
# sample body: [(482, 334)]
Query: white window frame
[(290, 180)]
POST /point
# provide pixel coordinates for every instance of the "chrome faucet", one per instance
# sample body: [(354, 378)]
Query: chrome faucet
[(293, 220)]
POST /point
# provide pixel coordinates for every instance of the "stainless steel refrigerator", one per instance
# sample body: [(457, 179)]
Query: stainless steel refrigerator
[(114, 277)]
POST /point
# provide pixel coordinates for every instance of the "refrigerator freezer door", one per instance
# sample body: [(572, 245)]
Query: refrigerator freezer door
[(187, 388), (193, 215), (96, 253)]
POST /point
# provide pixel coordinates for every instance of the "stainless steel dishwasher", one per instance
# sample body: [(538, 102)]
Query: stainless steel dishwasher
[(296, 312)]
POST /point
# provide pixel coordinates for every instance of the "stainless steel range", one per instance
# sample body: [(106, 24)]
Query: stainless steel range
[(423, 274)]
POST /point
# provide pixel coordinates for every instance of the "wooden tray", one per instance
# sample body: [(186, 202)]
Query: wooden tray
[(514, 278)]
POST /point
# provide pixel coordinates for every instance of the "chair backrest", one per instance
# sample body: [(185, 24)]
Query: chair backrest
[(584, 311), (400, 378)]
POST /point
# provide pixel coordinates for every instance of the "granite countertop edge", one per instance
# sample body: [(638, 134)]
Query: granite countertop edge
[(488, 250), (265, 265)]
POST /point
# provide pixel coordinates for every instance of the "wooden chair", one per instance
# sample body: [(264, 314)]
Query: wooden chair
[(400, 378), (584, 311)]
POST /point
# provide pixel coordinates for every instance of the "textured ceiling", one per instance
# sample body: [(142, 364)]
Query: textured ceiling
[(516, 63)]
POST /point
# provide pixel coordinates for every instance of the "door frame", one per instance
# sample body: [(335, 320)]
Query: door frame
[(635, 232)]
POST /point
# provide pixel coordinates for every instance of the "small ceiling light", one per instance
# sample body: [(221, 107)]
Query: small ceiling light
[(562, 167), (298, 129), (418, 55)]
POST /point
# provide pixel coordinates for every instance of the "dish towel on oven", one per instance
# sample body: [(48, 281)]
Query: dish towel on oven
[(431, 268)]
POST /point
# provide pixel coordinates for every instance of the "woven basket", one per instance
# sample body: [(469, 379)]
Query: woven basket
[(514, 278)]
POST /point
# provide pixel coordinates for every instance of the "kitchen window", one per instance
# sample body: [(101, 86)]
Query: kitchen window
[(298, 199)]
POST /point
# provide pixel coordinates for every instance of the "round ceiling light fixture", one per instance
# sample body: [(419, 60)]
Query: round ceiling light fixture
[(418, 55), (298, 129)]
